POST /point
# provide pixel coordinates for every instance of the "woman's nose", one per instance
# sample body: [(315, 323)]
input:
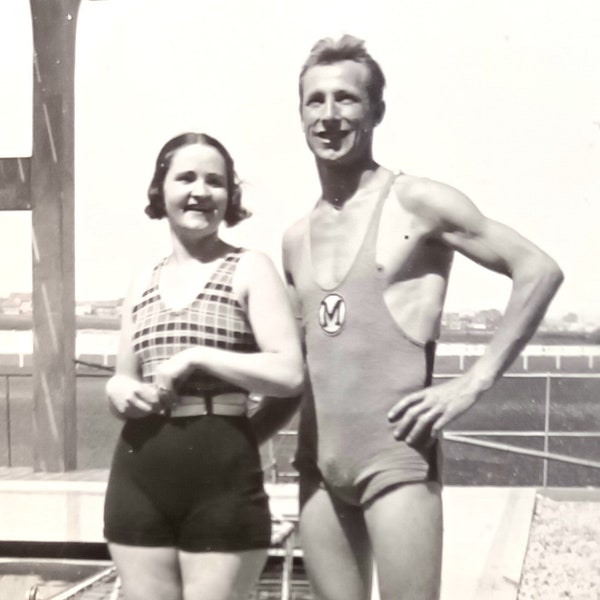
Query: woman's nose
[(200, 189)]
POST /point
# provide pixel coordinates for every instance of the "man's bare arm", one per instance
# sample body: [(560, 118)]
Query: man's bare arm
[(535, 276)]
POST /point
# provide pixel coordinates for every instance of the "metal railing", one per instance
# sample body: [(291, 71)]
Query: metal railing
[(466, 437), (7, 377), (470, 437)]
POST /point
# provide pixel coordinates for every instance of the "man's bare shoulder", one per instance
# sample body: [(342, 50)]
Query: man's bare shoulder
[(432, 201), (293, 235)]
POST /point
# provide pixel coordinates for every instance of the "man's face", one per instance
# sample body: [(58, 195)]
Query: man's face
[(338, 116)]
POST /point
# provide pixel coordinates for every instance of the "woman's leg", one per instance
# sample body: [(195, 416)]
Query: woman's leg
[(147, 573), (220, 575), (336, 549), (405, 527)]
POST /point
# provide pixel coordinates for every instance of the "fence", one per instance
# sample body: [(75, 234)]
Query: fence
[(551, 420)]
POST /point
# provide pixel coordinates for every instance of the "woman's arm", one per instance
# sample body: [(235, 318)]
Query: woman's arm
[(128, 396), (272, 415), (276, 370)]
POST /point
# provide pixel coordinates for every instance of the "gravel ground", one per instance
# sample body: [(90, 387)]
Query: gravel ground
[(563, 554)]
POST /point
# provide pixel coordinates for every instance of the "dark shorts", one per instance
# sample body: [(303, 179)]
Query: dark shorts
[(194, 483)]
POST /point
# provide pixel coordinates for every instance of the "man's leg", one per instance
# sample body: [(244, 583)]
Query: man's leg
[(337, 554), (405, 527)]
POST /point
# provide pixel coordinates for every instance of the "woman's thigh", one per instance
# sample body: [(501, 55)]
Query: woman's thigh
[(220, 575), (405, 528), (336, 548), (147, 573)]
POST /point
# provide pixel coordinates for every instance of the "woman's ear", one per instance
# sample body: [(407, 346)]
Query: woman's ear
[(236, 196)]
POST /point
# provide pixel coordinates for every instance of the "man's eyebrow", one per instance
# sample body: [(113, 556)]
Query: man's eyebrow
[(313, 95)]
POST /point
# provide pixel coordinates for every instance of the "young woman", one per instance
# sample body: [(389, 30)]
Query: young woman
[(186, 515)]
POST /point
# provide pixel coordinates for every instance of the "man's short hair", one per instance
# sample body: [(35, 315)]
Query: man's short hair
[(328, 51)]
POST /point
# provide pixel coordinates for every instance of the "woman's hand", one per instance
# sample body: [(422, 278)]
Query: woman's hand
[(172, 371), (130, 398)]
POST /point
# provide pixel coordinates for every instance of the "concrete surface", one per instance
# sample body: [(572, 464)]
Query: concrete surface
[(486, 528)]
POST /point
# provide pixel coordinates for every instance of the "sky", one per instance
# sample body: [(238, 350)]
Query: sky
[(499, 99)]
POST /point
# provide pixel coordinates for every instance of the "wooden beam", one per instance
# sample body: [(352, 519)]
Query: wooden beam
[(15, 193), (52, 200)]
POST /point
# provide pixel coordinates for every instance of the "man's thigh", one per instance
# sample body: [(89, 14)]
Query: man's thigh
[(336, 548), (406, 531)]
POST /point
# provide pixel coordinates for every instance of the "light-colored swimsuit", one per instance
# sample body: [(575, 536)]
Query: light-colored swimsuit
[(360, 364)]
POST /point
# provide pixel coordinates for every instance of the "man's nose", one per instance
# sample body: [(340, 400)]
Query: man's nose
[(330, 110)]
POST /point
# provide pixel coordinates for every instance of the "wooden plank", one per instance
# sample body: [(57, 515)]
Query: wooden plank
[(52, 198)]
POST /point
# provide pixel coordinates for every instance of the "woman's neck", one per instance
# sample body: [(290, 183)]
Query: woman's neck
[(205, 249)]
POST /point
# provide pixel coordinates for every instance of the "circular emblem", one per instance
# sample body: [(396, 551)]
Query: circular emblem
[(332, 314)]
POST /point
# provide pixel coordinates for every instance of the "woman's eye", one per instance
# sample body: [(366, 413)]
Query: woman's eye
[(215, 181), (186, 177)]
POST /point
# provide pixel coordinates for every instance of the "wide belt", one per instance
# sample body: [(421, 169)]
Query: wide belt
[(232, 404)]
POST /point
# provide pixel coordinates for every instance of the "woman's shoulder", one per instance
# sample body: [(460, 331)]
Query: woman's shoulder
[(143, 278), (252, 260), (254, 268)]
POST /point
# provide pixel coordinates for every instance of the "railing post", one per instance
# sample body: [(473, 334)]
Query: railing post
[(8, 438), (546, 430)]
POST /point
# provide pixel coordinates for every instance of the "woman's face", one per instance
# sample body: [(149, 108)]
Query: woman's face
[(195, 189)]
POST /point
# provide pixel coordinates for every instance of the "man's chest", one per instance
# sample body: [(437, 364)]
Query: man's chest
[(390, 236)]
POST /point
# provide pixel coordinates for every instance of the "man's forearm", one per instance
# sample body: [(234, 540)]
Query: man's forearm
[(532, 292)]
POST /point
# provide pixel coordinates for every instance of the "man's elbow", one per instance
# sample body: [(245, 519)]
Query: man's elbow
[(539, 271), (551, 273), (543, 273)]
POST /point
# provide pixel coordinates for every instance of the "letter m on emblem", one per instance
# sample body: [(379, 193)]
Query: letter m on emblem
[(332, 314)]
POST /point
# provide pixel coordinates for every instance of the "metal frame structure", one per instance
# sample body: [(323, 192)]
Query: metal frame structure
[(106, 584)]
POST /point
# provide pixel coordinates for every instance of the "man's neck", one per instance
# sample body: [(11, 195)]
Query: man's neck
[(339, 183)]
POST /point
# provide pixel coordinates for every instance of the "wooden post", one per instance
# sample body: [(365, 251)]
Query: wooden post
[(52, 200)]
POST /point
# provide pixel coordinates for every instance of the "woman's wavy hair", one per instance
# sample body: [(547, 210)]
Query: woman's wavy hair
[(234, 213)]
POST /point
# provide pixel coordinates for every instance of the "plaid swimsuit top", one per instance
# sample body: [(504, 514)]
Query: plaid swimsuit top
[(214, 318)]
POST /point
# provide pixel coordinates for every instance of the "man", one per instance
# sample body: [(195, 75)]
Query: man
[(369, 269)]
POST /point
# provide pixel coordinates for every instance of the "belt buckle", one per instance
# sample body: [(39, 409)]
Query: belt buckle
[(208, 401)]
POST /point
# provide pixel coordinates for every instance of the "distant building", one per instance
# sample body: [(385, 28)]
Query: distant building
[(107, 308), (454, 321), (83, 308), (16, 304)]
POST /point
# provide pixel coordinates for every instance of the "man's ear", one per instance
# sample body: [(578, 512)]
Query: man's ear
[(379, 112)]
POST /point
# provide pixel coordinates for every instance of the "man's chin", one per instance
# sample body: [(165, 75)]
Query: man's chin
[(331, 156)]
